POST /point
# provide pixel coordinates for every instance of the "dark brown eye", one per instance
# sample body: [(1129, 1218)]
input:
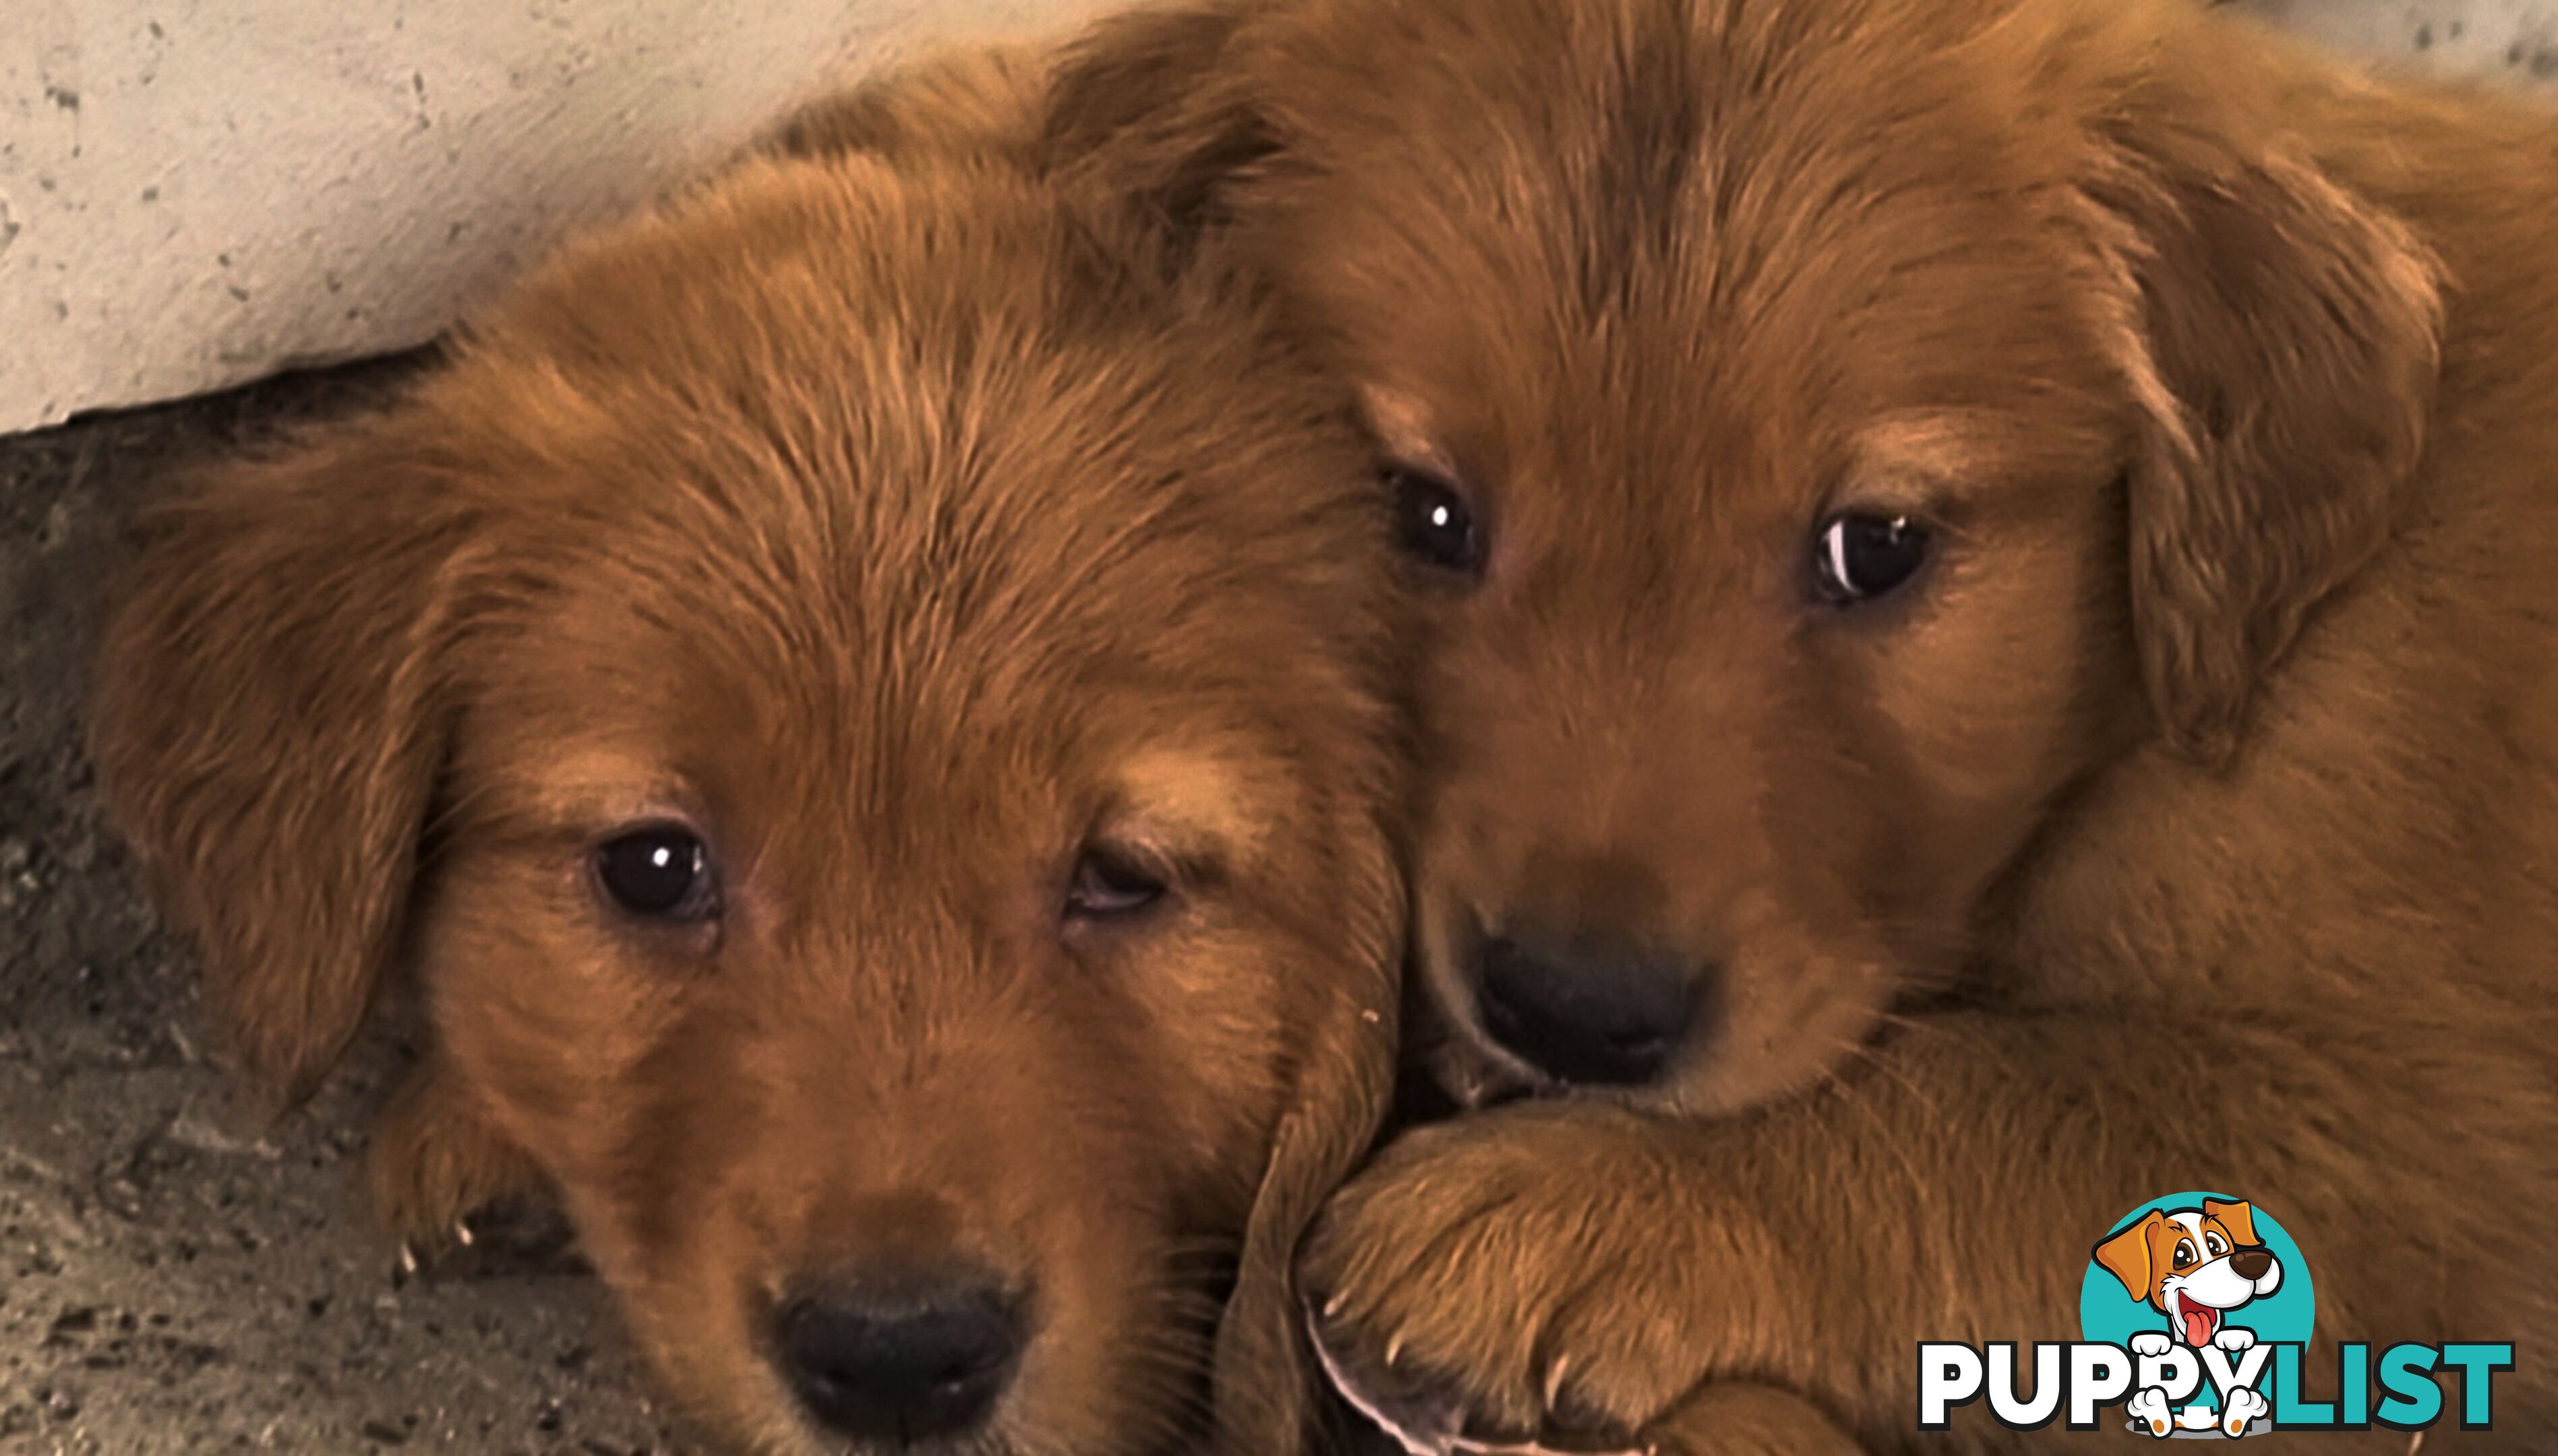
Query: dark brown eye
[(1109, 885), (1433, 524), (1860, 556), (2183, 1252), (658, 871)]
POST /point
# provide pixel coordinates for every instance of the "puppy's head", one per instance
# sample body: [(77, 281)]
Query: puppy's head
[(2193, 1265), (1827, 432), (862, 708)]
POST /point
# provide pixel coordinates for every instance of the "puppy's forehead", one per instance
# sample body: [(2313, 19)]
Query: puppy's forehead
[(1724, 236), (1623, 113), (873, 475)]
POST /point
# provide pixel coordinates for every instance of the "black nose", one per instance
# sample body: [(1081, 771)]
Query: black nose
[(1588, 1014), (2251, 1263), (902, 1359)]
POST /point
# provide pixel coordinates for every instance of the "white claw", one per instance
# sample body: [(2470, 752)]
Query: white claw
[(1393, 1351), (407, 1259), (462, 1231), (1332, 1306), (1554, 1376)]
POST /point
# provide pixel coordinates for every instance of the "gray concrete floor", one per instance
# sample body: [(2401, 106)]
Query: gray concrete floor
[(172, 1281)]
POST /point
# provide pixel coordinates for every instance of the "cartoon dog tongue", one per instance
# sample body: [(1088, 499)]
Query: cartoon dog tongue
[(2199, 1321)]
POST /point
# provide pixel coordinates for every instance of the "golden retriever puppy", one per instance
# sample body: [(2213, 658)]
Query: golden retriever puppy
[(1991, 663), (862, 698)]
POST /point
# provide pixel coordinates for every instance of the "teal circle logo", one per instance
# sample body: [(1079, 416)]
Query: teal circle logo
[(2135, 1278)]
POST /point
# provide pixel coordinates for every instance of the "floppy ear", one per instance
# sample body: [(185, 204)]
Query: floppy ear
[(2126, 1255), (1267, 1401), (267, 733), (2238, 1218), (1145, 104), (2283, 336)]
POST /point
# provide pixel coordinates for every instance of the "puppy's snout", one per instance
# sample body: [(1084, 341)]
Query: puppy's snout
[(901, 1359), (1593, 1014), (2251, 1263)]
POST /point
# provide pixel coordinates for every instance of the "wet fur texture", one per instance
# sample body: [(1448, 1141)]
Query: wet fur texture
[(2190, 824), (902, 524)]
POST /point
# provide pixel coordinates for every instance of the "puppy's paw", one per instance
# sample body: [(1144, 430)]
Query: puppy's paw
[(2234, 1339), (2149, 1407), (2239, 1408), (2150, 1342), (434, 1163), (1523, 1277)]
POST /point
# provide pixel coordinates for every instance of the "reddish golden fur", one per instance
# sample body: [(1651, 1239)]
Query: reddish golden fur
[(902, 525), (2192, 827)]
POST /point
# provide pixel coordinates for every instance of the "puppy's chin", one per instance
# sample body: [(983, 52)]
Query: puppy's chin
[(1451, 1066), (1795, 1018), (1476, 1075)]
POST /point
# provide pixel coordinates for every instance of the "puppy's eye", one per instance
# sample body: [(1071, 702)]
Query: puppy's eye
[(1109, 886), (2216, 1243), (2183, 1252), (1860, 556), (1433, 524), (658, 871)]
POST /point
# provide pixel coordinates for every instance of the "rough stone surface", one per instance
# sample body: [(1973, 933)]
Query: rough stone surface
[(193, 195)]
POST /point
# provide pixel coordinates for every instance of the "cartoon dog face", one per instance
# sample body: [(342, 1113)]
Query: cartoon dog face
[(2194, 1265)]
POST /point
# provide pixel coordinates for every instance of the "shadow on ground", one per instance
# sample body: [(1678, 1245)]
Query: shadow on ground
[(174, 1278)]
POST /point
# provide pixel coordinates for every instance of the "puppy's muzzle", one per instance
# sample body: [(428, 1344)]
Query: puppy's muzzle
[(900, 1358), (1588, 1012)]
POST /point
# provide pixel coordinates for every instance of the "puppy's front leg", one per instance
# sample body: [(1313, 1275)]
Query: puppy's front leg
[(1577, 1273), (1549, 1276)]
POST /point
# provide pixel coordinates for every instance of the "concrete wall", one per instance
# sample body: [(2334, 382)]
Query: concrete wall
[(194, 192), (2507, 37)]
